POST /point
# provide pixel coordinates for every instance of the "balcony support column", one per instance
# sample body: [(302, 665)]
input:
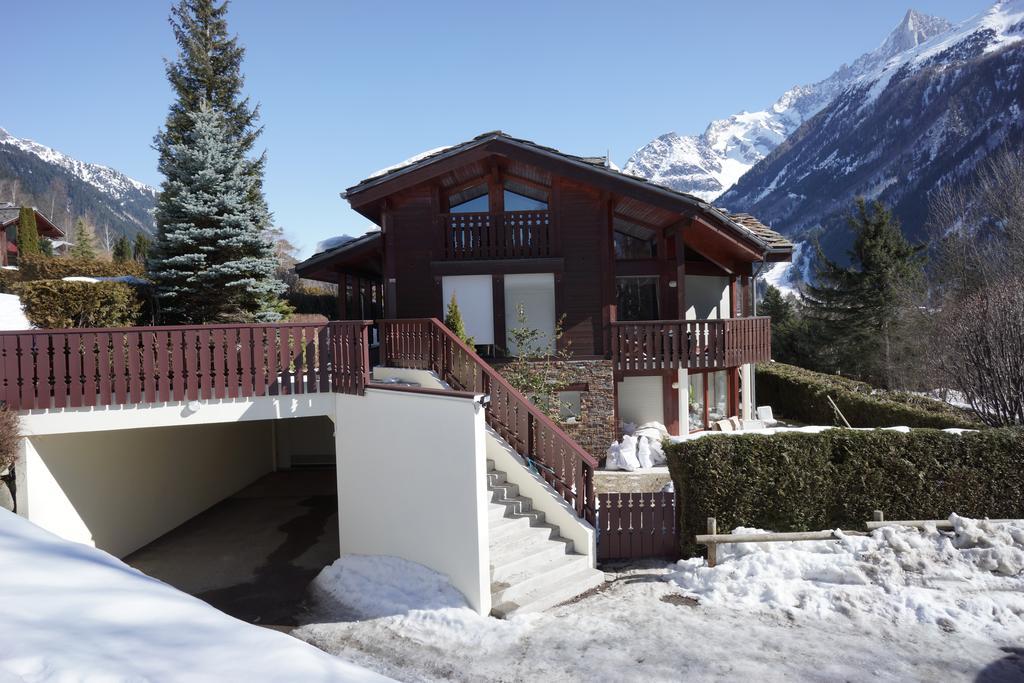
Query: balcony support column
[(680, 274)]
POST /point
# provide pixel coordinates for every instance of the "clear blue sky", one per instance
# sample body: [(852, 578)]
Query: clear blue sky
[(350, 87)]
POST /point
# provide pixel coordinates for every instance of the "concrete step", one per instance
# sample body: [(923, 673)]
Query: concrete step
[(508, 557), (495, 477), (490, 465), (503, 491), (510, 586), (514, 506), (519, 529), (545, 595)]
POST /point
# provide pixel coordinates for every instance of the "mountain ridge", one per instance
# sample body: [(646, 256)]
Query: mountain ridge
[(708, 164), (32, 173)]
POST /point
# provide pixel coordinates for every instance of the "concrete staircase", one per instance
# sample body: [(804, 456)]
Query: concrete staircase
[(532, 567)]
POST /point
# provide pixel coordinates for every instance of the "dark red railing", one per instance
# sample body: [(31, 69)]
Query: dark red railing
[(426, 344), (634, 526), (690, 344), (512, 234), (116, 366)]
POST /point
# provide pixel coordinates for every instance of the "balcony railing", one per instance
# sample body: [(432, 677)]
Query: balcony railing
[(512, 234), (73, 368), (690, 344)]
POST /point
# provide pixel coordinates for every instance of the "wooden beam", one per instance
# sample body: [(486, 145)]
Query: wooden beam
[(680, 276), (498, 308)]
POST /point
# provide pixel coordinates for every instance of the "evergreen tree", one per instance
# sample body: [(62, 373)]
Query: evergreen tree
[(83, 245), (863, 309), (198, 230), (453, 321), (122, 252), (46, 247), (28, 233), (141, 247), (212, 262)]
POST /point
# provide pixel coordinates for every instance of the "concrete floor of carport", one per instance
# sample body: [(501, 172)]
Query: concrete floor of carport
[(253, 554)]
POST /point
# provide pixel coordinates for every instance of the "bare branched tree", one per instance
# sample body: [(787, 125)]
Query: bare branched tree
[(983, 336), (978, 347)]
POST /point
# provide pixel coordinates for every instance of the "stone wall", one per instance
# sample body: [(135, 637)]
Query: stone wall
[(596, 429)]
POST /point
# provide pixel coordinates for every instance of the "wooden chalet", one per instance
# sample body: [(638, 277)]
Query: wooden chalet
[(9, 214), (654, 287)]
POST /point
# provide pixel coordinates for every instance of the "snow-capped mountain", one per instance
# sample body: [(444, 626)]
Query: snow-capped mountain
[(918, 121), (32, 173), (708, 164)]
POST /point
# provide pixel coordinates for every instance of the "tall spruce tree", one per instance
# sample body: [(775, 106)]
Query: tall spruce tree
[(141, 247), (83, 245), (213, 262), (28, 233), (863, 310), (211, 227)]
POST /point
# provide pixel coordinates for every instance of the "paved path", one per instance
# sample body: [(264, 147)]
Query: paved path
[(253, 554)]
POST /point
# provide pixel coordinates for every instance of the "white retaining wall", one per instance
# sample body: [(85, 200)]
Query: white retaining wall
[(412, 484)]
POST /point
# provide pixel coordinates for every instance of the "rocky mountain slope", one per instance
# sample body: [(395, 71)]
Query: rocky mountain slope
[(922, 121), (706, 165), (64, 188)]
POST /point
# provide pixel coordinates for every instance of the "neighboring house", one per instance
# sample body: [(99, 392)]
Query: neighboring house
[(654, 287), (9, 232)]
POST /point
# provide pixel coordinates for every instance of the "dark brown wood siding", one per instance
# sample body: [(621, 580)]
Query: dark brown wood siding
[(581, 219), (413, 216)]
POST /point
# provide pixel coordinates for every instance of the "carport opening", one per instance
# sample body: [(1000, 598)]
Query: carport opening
[(253, 553)]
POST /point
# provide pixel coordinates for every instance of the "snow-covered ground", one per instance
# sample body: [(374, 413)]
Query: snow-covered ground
[(69, 612), (774, 612), (12, 317)]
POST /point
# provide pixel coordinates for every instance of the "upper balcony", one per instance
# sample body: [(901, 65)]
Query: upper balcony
[(506, 235), (651, 345)]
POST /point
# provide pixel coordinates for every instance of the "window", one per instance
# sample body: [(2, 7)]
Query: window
[(570, 408), (470, 200), (637, 298), (473, 293), (535, 293), (708, 399), (697, 408), (519, 202), (634, 241)]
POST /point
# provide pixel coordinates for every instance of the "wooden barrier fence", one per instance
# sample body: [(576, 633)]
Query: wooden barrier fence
[(72, 368), (634, 526)]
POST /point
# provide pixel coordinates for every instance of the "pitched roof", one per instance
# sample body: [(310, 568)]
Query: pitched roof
[(767, 239), (325, 260), (9, 214), (758, 228)]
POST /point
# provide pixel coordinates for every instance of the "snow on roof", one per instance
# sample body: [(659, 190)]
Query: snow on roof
[(410, 161), (71, 612)]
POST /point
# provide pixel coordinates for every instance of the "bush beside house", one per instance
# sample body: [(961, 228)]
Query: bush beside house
[(835, 479), (42, 268), (802, 395), (60, 303)]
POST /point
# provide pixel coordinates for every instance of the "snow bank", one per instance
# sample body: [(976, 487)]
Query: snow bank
[(127, 279), (12, 317), (969, 580), (376, 586), (71, 612)]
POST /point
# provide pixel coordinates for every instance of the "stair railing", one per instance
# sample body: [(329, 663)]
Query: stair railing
[(426, 344)]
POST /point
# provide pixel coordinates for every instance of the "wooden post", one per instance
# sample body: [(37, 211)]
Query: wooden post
[(680, 274), (877, 516), (712, 547)]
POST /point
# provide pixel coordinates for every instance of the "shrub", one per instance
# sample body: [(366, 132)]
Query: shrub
[(10, 435), (802, 395), (8, 278), (308, 301), (41, 268), (58, 303), (835, 479)]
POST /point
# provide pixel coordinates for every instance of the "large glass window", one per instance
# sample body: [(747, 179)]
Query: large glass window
[(634, 241), (709, 398), (637, 298), (518, 202), (697, 408), (470, 200)]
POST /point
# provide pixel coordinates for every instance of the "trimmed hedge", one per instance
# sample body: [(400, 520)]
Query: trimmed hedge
[(798, 394), (57, 303), (8, 278), (56, 268), (835, 479)]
